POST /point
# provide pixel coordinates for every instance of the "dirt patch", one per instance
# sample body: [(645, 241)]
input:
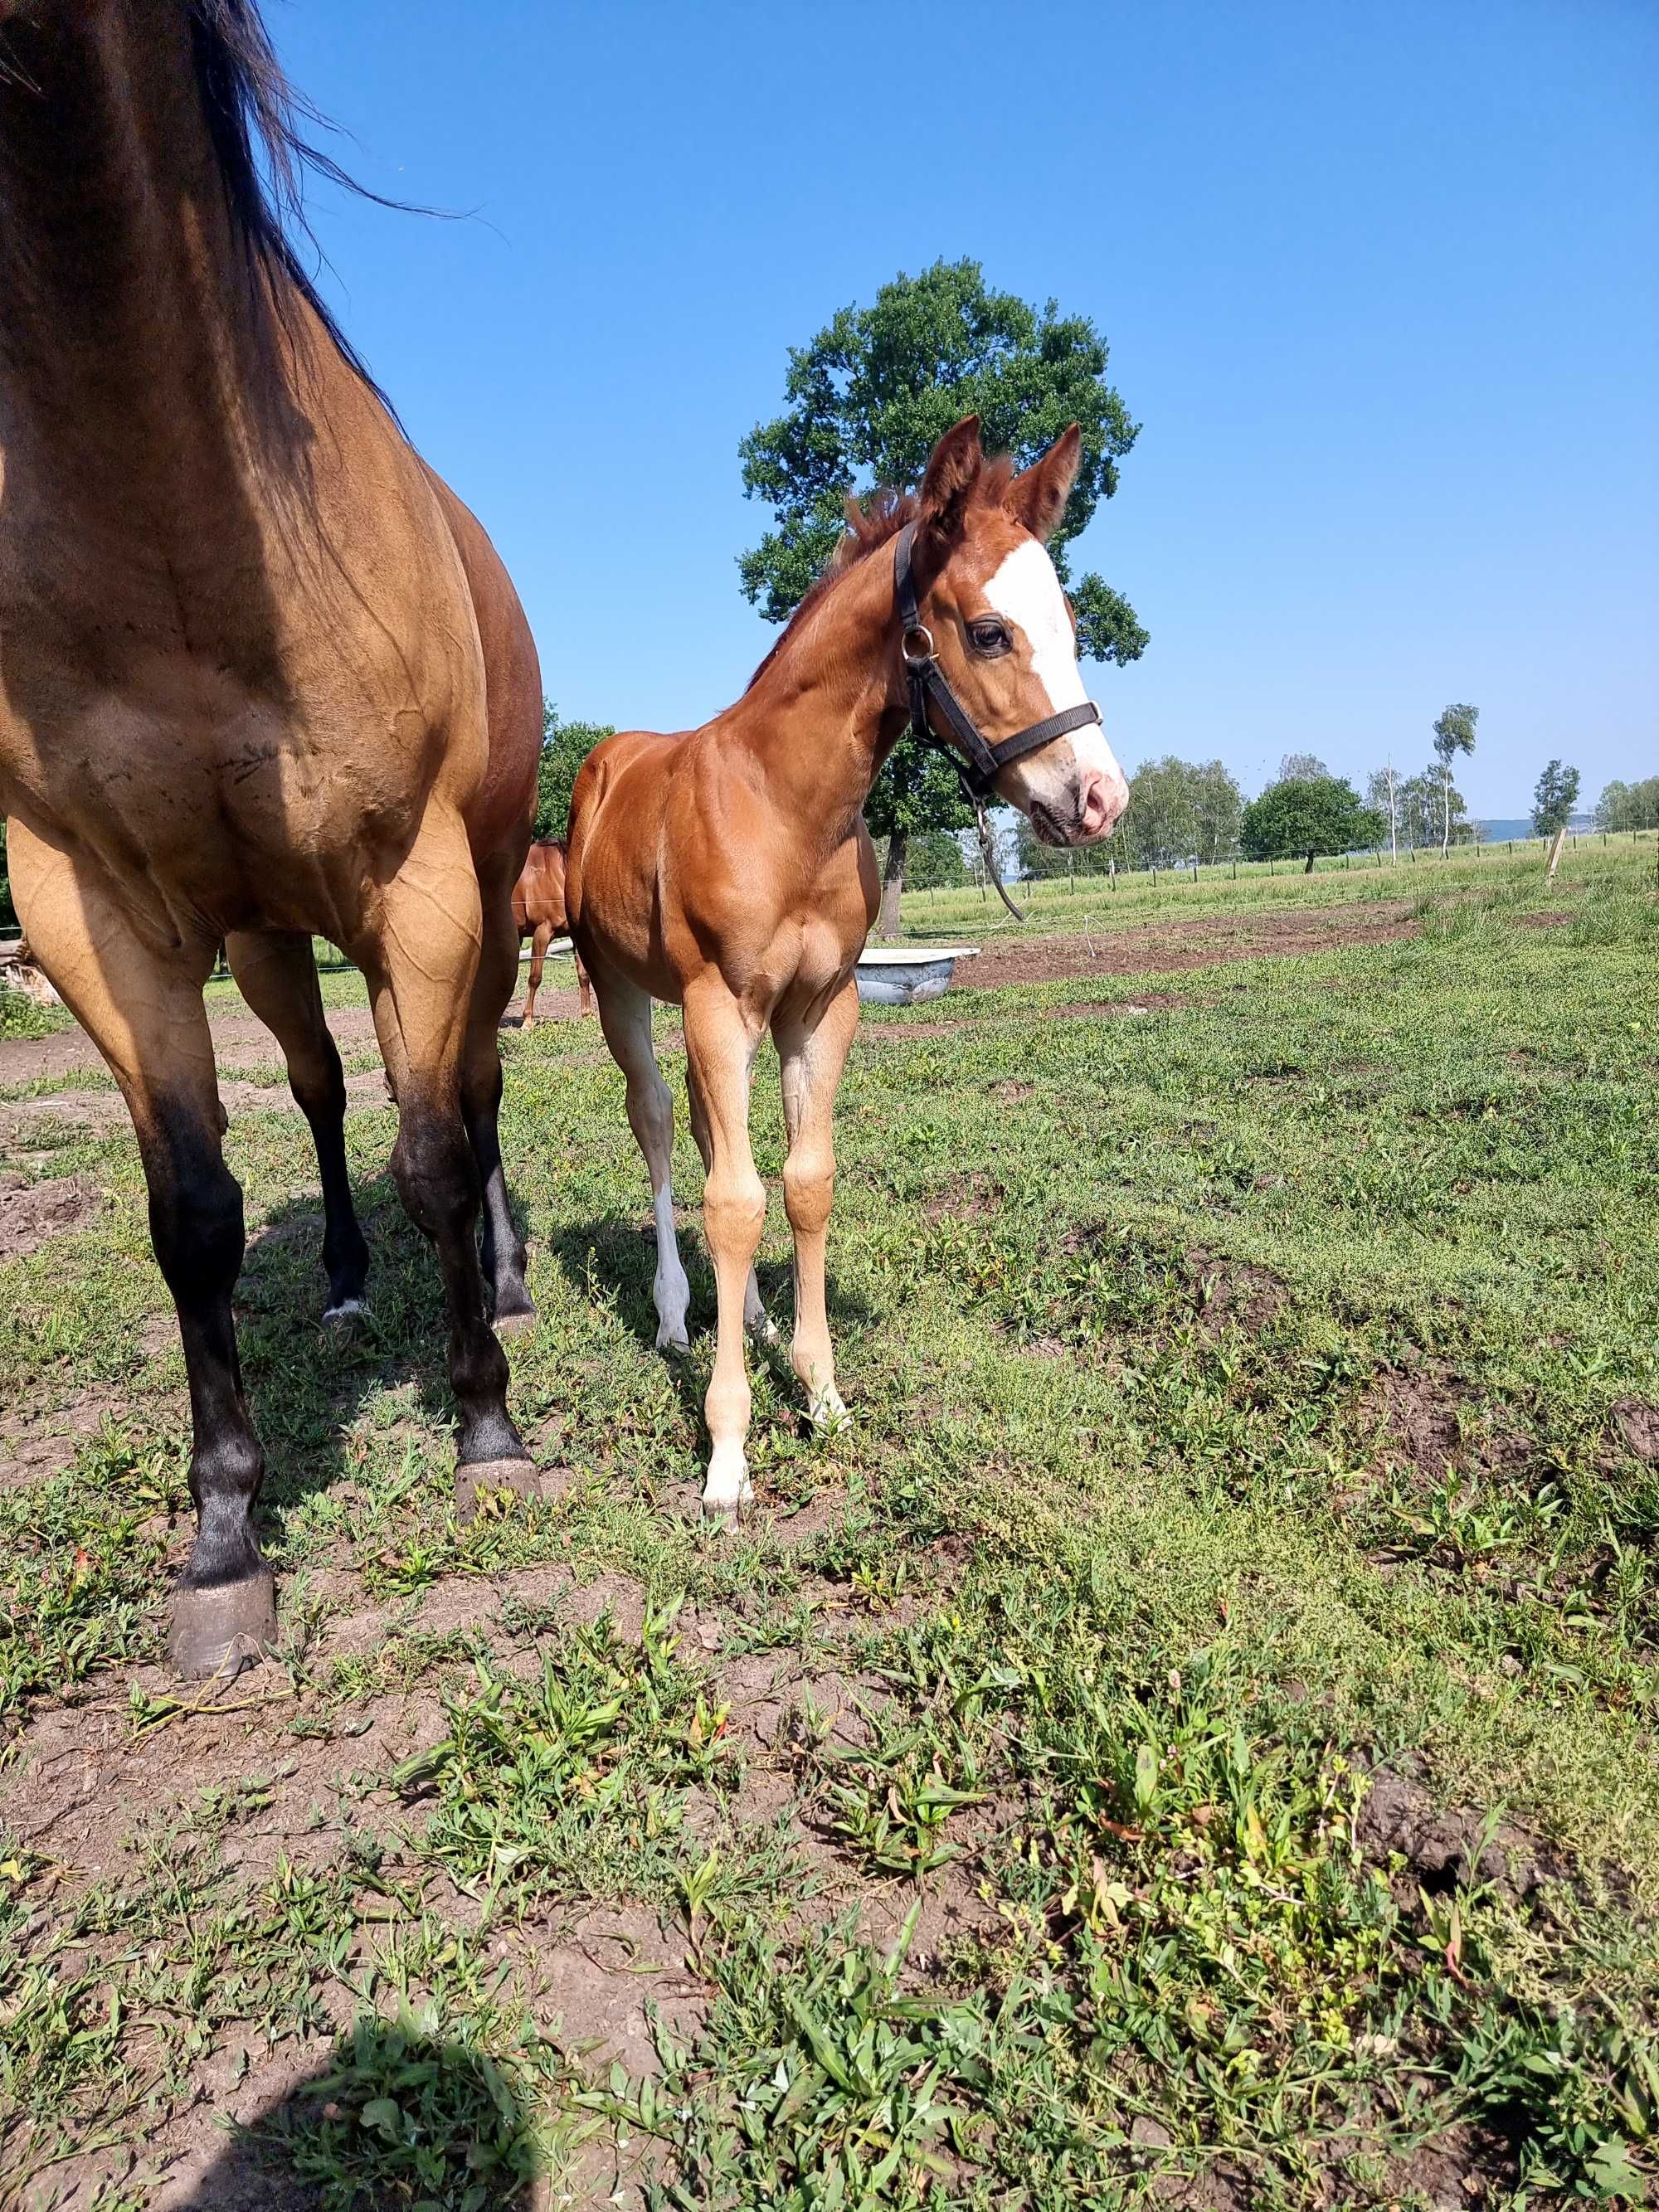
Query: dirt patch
[(1461, 2168), (1012, 1094), (1638, 1425), (238, 1035), (1398, 1815), (31, 1213), (974, 1196), (1425, 1410), (36, 1444), (599, 1981), (1206, 941), (1234, 1292)]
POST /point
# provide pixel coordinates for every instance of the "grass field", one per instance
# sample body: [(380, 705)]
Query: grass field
[(1190, 1741)]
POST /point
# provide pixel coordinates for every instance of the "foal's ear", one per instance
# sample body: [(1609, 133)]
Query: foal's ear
[(1038, 498), (952, 473)]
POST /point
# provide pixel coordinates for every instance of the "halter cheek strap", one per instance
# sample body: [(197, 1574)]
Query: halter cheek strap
[(976, 762)]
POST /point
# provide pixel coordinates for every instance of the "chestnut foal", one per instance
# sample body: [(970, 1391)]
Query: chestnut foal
[(728, 869), (539, 910)]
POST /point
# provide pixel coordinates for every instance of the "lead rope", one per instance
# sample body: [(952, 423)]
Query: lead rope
[(987, 853)]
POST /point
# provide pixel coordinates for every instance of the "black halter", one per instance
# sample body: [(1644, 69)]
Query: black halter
[(978, 764)]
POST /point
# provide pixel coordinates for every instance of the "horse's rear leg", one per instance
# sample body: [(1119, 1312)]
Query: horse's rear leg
[(143, 1007), (625, 1017), (420, 957), (539, 944), (584, 986), (811, 1060), (276, 973), (504, 1256)]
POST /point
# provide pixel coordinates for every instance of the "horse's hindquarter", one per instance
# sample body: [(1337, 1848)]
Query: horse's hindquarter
[(499, 819), (612, 881)]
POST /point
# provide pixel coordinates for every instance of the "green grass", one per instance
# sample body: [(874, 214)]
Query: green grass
[(1244, 1399)]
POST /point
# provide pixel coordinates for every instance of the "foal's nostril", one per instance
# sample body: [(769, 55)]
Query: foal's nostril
[(1095, 806)]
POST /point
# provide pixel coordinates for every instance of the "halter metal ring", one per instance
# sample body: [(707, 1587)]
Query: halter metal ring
[(917, 660)]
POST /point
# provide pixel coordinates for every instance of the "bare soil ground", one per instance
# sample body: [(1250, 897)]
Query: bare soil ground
[(1171, 948)]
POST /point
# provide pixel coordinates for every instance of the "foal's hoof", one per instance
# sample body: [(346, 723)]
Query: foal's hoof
[(218, 1631), (344, 1314), (488, 1478), (726, 1493), (517, 1321)]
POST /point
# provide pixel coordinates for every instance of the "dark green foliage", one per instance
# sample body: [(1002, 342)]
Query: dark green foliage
[(1629, 806), (1554, 798), (1306, 816), (1454, 733), (875, 390), (934, 862), (565, 746)]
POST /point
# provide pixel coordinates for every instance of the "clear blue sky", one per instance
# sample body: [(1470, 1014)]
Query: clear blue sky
[(1380, 284)]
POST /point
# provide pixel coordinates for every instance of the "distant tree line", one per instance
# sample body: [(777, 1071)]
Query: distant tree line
[(1629, 806)]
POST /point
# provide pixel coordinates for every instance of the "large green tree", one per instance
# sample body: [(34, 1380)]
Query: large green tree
[(867, 401), (565, 746), (1308, 816), (1629, 806), (1454, 733), (1555, 796)]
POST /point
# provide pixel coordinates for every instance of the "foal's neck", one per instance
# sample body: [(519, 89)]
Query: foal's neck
[(828, 708), (116, 262)]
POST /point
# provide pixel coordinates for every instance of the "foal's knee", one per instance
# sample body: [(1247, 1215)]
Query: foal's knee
[(734, 1211), (809, 1192)]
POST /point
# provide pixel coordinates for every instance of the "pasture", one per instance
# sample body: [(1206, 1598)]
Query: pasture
[(1190, 1740)]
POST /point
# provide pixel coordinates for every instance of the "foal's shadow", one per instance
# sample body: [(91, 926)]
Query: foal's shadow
[(623, 1258), (346, 2132)]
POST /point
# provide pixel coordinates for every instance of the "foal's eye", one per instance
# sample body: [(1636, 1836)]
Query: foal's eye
[(989, 637)]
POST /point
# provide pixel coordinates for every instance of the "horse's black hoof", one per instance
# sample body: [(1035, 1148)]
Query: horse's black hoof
[(488, 1477), (216, 1632)]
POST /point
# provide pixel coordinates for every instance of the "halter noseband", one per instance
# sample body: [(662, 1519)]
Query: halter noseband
[(978, 764)]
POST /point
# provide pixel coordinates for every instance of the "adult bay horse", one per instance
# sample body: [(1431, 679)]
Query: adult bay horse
[(261, 675), (729, 869), (539, 910)]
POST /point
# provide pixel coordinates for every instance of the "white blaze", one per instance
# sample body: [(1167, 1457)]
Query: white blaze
[(1025, 590)]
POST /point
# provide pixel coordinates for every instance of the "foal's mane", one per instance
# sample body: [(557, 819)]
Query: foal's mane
[(254, 117), (872, 523)]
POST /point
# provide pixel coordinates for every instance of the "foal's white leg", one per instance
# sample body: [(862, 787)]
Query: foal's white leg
[(625, 1017), (720, 1052), (811, 1060)]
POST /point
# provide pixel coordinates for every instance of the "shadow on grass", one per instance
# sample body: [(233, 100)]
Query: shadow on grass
[(395, 2117), (306, 1382), (607, 1252)]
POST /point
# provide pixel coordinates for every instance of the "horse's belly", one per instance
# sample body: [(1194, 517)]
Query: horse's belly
[(226, 818)]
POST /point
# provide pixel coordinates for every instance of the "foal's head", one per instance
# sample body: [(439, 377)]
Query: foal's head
[(1003, 631)]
